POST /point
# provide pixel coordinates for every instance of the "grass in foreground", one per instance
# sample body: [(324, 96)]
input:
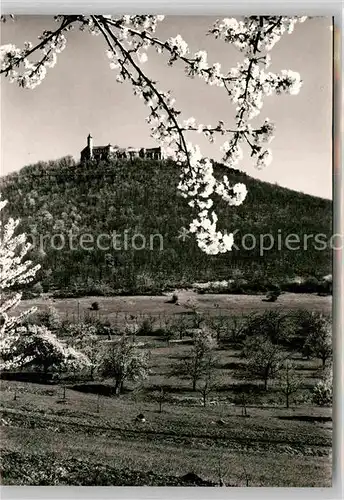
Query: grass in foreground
[(71, 443)]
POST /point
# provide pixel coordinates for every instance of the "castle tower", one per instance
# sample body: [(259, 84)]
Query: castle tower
[(90, 145)]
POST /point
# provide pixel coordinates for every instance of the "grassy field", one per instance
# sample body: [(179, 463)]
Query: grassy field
[(115, 308), (90, 438), (265, 449)]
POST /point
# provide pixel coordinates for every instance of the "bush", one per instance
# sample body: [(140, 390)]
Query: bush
[(28, 294), (49, 318), (79, 329), (273, 295), (300, 285), (102, 327), (37, 289), (322, 393), (146, 327), (326, 286)]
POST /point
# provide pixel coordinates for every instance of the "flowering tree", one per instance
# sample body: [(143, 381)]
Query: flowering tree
[(323, 391), (13, 272), (35, 345), (127, 40), (49, 318), (83, 337), (200, 360), (123, 361)]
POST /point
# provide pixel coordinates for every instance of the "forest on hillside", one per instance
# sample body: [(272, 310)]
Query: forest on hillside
[(140, 197)]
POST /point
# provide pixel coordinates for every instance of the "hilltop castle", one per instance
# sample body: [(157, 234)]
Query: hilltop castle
[(91, 152)]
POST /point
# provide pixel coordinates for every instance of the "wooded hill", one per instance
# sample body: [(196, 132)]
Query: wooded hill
[(140, 196)]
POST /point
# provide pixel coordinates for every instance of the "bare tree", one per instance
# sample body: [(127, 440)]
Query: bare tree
[(219, 324), (274, 325), (318, 343), (161, 397), (241, 400), (289, 380), (236, 328), (194, 365), (178, 328), (208, 383), (264, 359)]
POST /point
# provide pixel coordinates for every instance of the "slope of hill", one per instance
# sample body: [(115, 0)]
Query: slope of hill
[(60, 201)]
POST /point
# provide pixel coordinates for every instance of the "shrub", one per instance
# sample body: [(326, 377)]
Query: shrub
[(49, 318), (273, 294), (146, 327), (102, 327), (37, 289), (301, 285), (323, 390)]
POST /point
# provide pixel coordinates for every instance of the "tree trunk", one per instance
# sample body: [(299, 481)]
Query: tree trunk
[(194, 384), (287, 399), (45, 371), (117, 387)]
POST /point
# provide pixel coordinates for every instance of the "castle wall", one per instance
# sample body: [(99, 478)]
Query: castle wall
[(106, 152)]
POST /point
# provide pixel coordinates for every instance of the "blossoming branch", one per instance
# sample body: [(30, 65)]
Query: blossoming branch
[(128, 39)]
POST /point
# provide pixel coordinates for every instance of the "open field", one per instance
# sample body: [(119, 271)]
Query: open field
[(71, 439), (115, 308)]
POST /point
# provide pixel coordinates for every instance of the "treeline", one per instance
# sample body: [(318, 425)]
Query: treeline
[(60, 200)]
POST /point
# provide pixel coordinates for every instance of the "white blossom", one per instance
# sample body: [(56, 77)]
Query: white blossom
[(142, 57), (178, 46), (13, 271)]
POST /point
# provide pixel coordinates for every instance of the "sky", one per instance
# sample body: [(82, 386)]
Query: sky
[(80, 96)]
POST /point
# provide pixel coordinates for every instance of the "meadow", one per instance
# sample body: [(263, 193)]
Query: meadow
[(118, 308), (78, 432)]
